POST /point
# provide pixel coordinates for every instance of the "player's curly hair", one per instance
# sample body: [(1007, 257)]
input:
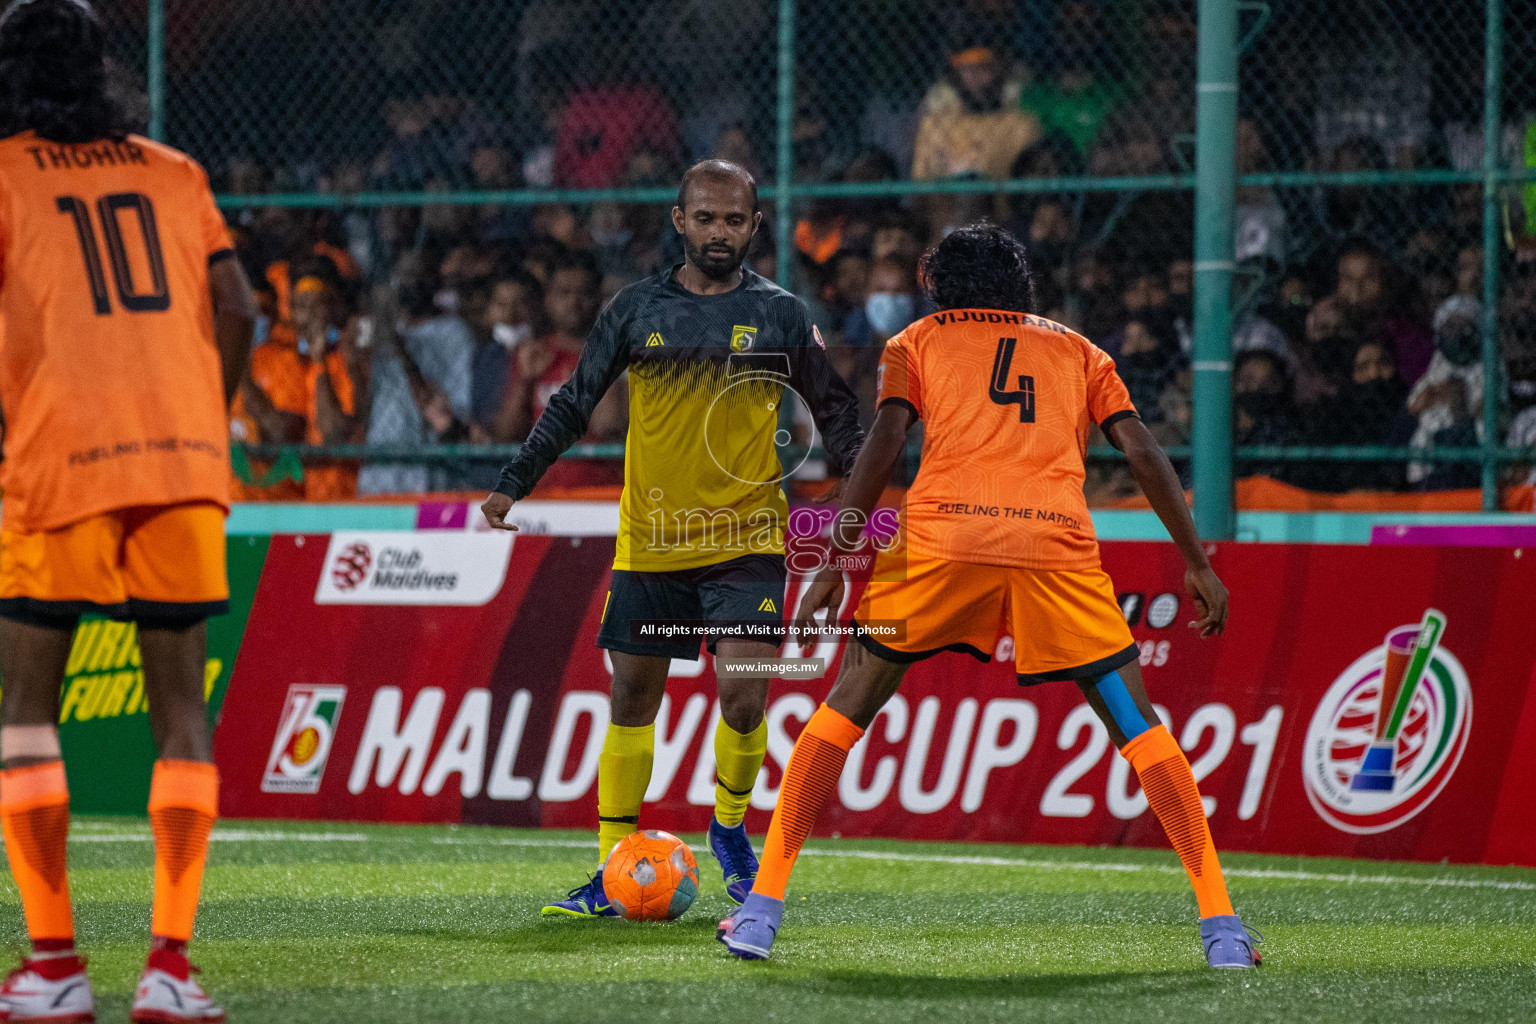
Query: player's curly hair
[(54, 77), (979, 266)]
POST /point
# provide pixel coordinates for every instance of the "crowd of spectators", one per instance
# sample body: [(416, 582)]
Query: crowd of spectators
[(1358, 310)]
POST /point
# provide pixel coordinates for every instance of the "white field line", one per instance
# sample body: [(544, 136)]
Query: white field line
[(256, 835), (1066, 865), (1061, 865), (230, 835)]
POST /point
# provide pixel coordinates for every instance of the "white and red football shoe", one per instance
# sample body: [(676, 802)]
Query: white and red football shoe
[(56, 991), (168, 995)]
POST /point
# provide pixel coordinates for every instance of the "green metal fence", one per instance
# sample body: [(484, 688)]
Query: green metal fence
[(1250, 143)]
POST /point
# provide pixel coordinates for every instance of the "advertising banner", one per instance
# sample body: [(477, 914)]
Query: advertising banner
[(1367, 702)]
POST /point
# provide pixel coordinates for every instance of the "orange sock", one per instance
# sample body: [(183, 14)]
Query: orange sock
[(809, 779), (34, 816), (1175, 799), (183, 805)]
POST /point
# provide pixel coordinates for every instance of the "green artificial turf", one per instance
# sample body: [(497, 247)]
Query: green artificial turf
[(327, 922)]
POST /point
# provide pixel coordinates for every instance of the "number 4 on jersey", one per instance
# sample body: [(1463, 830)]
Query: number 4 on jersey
[(1024, 398), (109, 209)]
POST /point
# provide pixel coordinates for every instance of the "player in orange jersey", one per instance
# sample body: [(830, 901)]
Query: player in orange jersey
[(127, 324), (998, 537)]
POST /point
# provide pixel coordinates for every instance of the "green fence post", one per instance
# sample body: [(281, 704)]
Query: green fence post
[(154, 73), (784, 220), (1215, 173), (1493, 71)]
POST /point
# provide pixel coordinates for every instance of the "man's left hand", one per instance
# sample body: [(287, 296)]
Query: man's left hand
[(496, 508), (825, 591)]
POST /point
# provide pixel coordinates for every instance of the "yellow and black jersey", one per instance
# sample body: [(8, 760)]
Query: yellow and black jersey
[(708, 375)]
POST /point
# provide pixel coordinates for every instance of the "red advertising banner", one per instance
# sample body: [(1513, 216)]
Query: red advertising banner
[(1364, 702)]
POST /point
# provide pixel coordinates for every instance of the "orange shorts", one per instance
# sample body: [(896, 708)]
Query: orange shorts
[(1065, 625), (150, 563)]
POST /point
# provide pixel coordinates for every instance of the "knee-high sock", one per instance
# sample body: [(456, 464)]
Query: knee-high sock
[(623, 772), (183, 805), (1171, 790), (809, 779), (738, 756), (34, 814)]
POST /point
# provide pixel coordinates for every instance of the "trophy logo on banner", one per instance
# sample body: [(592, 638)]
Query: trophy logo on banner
[(1390, 731)]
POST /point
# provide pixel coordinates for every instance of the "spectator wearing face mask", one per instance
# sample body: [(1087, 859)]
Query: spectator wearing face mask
[(892, 302), (1448, 399), (1143, 297), (1262, 409), (1149, 356), (1369, 409), (507, 321)]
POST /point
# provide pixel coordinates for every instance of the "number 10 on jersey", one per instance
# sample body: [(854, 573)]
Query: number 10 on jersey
[(109, 209)]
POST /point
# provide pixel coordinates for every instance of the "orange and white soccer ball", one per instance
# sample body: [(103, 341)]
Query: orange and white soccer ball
[(651, 876)]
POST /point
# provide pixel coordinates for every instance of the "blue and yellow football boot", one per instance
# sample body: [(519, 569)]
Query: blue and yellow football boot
[(738, 862), (583, 901)]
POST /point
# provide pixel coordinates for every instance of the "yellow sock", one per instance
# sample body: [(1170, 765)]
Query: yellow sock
[(623, 772), (738, 756)]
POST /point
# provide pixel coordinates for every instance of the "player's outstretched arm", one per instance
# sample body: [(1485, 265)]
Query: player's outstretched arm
[(234, 320), (862, 488), (1154, 473), (565, 418)]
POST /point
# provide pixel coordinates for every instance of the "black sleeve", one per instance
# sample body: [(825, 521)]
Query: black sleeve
[(832, 403), (563, 422)]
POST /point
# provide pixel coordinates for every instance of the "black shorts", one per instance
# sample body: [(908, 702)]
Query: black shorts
[(744, 596)]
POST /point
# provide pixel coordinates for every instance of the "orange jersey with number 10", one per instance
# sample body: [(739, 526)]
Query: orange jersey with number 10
[(110, 377), (1006, 400)]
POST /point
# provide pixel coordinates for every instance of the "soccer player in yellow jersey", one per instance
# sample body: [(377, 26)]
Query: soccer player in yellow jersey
[(711, 349), (127, 323), (1006, 399)]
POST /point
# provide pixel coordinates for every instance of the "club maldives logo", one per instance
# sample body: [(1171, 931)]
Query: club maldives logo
[(351, 566), (424, 567), (303, 741), (1389, 732)]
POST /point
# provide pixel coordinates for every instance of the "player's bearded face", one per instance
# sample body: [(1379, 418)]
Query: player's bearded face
[(717, 227), (717, 258)]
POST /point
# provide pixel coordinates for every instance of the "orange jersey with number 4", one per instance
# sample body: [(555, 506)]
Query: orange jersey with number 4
[(110, 377), (1006, 400)]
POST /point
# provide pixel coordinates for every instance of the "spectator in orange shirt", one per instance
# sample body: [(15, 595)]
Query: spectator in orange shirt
[(254, 416), (301, 387)]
